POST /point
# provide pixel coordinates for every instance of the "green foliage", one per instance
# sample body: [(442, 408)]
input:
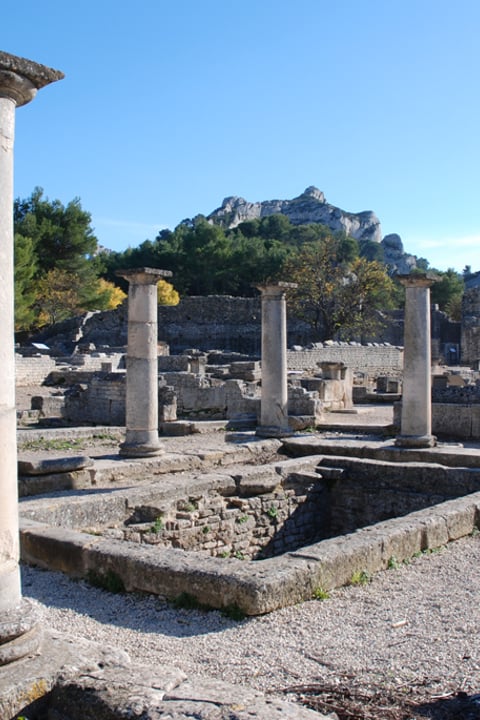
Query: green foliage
[(447, 292), (272, 512), (157, 526), (393, 563), (360, 577), (320, 594), (25, 270), (56, 268), (338, 293)]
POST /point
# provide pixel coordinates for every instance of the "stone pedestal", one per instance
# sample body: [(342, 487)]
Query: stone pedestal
[(274, 400), (416, 419), (141, 438), (19, 81)]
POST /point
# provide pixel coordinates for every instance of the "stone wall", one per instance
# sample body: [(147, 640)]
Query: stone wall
[(247, 528), (32, 370), (450, 421), (471, 326), (372, 360)]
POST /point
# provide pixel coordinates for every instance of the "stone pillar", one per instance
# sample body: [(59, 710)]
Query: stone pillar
[(416, 422), (274, 401), (19, 81), (141, 438)]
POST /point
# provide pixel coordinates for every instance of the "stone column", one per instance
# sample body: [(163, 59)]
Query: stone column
[(19, 81), (141, 438), (274, 401), (416, 422)]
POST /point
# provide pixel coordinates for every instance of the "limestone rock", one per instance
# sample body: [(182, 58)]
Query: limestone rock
[(48, 466), (309, 207), (394, 255)]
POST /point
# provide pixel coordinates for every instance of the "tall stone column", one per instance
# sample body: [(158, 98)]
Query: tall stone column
[(141, 438), (274, 401), (416, 423), (19, 81)]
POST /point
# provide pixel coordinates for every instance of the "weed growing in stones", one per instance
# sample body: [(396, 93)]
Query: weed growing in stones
[(360, 577), (320, 594), (242, 519), (393, 563), (272, 512), (157, 526)]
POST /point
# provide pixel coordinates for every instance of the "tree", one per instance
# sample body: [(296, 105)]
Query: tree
[(447, 292), (56, 264), (166, 293), (25, 292), (336, 295)]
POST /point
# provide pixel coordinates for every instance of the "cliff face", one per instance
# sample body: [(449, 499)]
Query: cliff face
[(309, 207)]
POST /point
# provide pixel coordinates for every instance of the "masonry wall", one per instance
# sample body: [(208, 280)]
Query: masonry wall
[(32, 370), (471, 326), (380, 360)]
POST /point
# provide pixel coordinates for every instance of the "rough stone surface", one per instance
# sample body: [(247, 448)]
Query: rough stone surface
[(309, 207), (49, 466)]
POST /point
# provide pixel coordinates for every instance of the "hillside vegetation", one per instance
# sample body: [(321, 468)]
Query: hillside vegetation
[(61, 271)]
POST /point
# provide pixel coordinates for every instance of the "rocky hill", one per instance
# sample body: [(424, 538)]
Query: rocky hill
[(311, 207)]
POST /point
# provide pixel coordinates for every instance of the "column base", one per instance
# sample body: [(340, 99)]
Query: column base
[(416, 441), (20, 633), (272, 431), (140, 450)]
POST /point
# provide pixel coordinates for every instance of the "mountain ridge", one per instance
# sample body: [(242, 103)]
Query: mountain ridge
[(312, 207)]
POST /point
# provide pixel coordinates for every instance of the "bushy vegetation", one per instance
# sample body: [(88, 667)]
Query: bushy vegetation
[(61, 271)]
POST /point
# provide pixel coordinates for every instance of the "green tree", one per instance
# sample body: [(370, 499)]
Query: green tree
[(53, 238), (25, 292), (337, 295), (447, 292)]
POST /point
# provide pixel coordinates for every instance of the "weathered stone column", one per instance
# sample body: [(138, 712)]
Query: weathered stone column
[(416, 423), (19, 81), (274, 401), (141, 438)]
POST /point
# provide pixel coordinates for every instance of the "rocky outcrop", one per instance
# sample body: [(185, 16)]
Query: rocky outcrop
[(395, 257), (309, 207)]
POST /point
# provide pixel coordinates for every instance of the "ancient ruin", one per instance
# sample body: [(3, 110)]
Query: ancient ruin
[(141, 417), (416, 424), (19, 81)]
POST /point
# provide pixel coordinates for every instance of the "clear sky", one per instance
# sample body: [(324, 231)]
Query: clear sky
[(168, 106)]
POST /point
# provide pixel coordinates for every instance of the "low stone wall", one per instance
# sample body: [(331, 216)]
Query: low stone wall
[(372, 360), (32, 370), (450, 420)]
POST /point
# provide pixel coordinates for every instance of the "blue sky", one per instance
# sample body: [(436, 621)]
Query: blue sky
[(167, 107)]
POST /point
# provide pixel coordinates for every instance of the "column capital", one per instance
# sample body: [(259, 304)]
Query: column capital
[(418, 279), (143, 275), (276, 289), (21, 78)]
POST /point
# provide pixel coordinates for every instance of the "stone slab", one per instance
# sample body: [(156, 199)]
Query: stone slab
[(50, 466)]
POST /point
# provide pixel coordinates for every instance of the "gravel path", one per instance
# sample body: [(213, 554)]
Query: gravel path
[(416, 624)]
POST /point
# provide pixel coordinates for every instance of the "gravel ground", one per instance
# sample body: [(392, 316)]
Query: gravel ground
[(415, 625)]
